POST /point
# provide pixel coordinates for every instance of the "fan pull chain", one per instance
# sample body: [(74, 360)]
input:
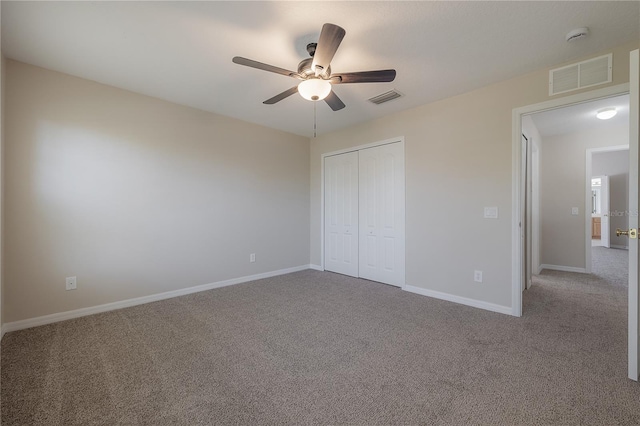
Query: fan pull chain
[(314, 119)]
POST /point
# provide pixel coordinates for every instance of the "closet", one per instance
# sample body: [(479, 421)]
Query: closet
[(364, 223)]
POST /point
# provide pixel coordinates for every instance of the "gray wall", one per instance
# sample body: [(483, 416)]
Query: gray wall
[(616, 166), (137, 196), (563, 186)]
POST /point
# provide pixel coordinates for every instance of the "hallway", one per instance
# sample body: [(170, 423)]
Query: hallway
[(587, 314)]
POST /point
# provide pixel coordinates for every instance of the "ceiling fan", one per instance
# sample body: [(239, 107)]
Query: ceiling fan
[(315, 72)]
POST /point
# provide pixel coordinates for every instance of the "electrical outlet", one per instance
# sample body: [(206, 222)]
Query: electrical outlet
[(477, 276), (252, 257), (71, 283), (574, 211)]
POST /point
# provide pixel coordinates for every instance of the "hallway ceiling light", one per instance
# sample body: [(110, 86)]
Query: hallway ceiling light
[(606, 113)]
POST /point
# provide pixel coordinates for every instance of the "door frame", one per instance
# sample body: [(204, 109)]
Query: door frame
[(531, 233), (516, 193), (398, 139), (634, 137), (525, 224), (535, 208)]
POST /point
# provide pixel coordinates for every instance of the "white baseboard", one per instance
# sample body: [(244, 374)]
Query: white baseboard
[(563, 268), (316, 267), (77, 313), (616, 246), (459, 299)]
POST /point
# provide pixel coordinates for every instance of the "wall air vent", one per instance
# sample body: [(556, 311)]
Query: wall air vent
[(580, 75), (385, 97)]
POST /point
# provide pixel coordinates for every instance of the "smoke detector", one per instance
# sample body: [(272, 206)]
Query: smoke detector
[(578, 33)]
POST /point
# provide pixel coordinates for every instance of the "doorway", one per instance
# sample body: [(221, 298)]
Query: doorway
[(565, 207), (575, 207), (607, 175), (583, 181)]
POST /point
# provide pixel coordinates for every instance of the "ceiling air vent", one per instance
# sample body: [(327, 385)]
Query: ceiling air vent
[(580, 75), (385, 97)]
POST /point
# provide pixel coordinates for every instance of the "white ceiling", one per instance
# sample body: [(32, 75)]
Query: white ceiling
[(181, 51), (581, 117)]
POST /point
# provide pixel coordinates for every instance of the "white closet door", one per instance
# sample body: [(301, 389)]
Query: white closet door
[(381, 230), (341, 213)]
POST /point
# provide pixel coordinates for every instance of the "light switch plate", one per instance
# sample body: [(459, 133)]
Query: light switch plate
[(490, 212)]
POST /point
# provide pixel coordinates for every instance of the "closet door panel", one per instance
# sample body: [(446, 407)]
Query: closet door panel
[(382, 213), (341, 213)]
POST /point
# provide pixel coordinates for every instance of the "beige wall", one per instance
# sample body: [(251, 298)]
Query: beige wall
[(616, 166), (137, 196), (458, 160), (563, 186)]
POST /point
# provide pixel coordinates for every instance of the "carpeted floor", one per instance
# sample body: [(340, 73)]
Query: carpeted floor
[(611, 265), (321, 348)]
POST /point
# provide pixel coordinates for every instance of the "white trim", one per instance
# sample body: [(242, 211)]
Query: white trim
[(613, 148), (633, 332), (588, 236), (619, 247), (563, 268), (77, 313), (364, 146), (459, 299), (316, 267), (516, 126), (516, 247)]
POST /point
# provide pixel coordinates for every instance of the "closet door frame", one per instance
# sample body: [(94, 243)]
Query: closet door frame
[(399, 139)]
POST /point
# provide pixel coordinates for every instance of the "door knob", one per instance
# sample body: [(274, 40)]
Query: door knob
[(632, 233)]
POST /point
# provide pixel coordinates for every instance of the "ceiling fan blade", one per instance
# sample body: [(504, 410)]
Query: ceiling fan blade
[(334, 101), (330, 38), (265, 67), (380, 76), (281, 96)]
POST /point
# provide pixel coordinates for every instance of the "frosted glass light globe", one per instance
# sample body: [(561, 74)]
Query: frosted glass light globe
[(314, 89)]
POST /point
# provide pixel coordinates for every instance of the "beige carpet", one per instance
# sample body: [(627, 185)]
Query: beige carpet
[(321, 348)]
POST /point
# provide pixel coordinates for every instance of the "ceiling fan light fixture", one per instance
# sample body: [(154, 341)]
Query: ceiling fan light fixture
[(606, 113), (314, 89)]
